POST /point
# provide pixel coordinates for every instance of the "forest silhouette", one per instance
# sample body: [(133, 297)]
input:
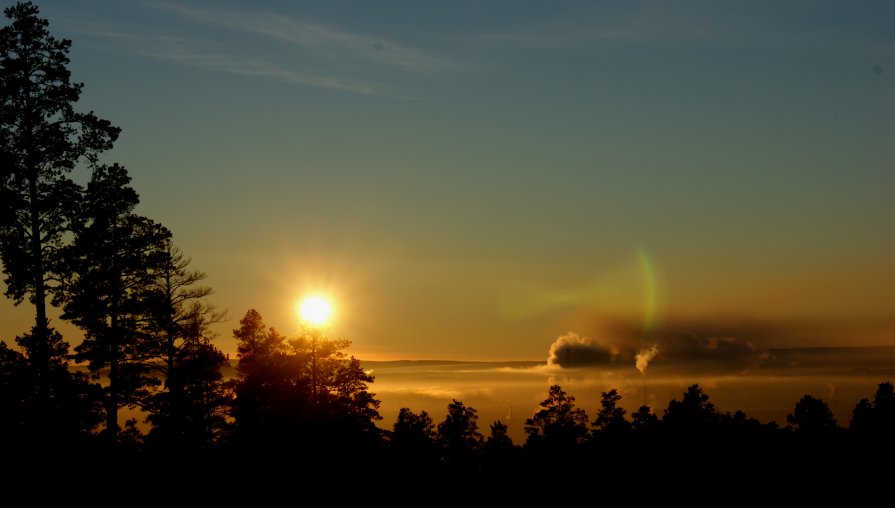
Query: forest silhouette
[(300, 400)]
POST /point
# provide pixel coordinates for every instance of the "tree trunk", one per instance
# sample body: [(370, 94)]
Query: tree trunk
[(112, 404), (41, 323), (172, 382)]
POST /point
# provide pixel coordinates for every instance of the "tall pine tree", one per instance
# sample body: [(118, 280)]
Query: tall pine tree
[(111, 267), (42, 139), (190, 412)]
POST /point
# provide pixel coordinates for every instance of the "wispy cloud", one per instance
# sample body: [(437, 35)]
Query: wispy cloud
[(204, 55), (317, 37), (289, 50), (176, 51)]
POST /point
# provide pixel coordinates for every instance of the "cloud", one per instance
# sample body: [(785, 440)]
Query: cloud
[(698, 350), (275, 47), (571, 350), (181, 52), (317, 37), (709, 354), (197, 54)]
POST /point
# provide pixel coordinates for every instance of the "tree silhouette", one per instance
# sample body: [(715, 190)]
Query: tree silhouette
[(459, 432), (644, 421), (413, 435), (264, 391), (740, 423), (254, 344), (558, 425), (744, 435), (73, 403), (863, 418), (884, 405), (876, 419), (193, 416), (300, 392), (42, 139), (499, 441), (190, 411), (646, 432), (111, 266), (352, 408), (693, 413), (338, 386), (499, 452), (812, 416), (15, 386), (179, 311), (611, 417)]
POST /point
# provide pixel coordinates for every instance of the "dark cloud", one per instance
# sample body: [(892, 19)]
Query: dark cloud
[(715, 354), (725, 345), (691, 348), (570, 350)]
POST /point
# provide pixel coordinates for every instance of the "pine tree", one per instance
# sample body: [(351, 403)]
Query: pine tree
[(42, 139)]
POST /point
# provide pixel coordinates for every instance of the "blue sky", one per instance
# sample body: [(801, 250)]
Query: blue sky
[(476, 179)]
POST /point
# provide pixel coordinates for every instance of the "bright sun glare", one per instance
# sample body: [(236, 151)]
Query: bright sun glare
[(315, 310)]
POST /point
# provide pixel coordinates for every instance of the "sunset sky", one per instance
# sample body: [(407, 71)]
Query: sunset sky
[(472, 180)]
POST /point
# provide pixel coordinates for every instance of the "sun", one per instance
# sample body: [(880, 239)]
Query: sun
[(315, 310)]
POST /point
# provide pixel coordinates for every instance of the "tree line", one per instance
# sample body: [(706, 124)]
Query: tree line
[(148, 346), (115, 274)]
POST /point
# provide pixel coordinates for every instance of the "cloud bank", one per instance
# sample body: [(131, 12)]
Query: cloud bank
[(696, 351)]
